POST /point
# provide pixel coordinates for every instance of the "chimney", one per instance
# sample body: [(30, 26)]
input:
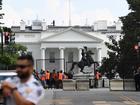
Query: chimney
[(95, 26), (118, 25), (100, 25), (53, 23), (44, 26), (22, 25)]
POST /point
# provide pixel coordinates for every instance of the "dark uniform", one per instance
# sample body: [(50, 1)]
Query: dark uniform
[(137, 81)]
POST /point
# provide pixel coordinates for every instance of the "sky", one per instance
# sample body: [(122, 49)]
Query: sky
[(83, 12)]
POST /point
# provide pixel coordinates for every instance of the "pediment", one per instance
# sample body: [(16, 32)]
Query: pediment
[(71, 35)]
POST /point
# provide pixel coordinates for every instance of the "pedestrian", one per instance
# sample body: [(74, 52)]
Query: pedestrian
[(60, 78), (137, 79), (48, 78), (23, 89)]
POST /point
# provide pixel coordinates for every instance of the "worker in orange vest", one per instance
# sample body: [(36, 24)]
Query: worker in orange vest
[(97, 77), (43, 80), (60, 78), (65, 75), (53, 79), (47, 78)]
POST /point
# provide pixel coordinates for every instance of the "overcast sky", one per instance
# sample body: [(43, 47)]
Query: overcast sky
[(83, 11)]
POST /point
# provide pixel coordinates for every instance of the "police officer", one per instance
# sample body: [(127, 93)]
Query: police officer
[(137, 79), (23, 89)]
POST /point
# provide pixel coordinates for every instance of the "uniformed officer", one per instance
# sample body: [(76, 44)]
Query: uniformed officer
[(137, 79), (23, 89)]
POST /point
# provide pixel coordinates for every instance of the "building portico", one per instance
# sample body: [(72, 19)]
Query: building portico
[(65, 55), (66, 47)]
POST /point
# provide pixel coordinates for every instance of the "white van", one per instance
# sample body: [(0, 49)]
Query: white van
[(6, 74)]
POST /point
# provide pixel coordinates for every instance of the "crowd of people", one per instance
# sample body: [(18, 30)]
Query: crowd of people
[(51, 79)]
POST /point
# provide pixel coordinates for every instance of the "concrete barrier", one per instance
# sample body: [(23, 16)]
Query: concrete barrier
[(100, 83), (69, 85), (129, 85), (123, 85), (82, 85), (105, 83), (116, 85)]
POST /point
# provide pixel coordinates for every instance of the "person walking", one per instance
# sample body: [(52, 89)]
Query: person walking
[(23, 89)]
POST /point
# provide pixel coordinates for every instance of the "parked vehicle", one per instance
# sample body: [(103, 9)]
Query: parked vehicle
[(3, 76)]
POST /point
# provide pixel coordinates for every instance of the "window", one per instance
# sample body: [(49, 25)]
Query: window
[(52, 57), (29, 36), (70, 57)]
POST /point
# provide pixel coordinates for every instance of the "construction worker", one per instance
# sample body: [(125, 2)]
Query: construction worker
[(53, 79), (60, 78), (57, 80), (97, 77), (43, 80), (48, 78), (65, 75)]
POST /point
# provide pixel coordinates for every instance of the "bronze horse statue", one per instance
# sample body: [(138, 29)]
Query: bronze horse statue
[(86, 60)]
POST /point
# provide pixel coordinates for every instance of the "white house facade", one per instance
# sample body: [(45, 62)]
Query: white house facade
[(56, 47)]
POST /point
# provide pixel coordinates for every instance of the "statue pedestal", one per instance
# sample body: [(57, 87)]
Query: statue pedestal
[(83, 76), (88, 73), (85, 80)]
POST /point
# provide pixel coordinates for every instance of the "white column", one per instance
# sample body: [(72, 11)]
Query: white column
[(99, 55), (43, 58), (62, 59), (80, 54)]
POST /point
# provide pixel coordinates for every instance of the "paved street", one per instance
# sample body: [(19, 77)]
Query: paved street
[(92, 97)]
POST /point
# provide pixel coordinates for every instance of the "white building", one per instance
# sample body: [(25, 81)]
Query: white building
[(61, 45)]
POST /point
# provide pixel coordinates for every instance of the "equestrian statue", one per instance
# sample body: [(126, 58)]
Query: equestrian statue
[(86, 60)]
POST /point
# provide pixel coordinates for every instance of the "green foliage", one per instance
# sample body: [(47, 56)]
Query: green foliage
[(10, 54), (123, 55)]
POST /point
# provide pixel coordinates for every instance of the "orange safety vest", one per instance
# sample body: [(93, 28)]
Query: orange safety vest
[(47, 76), (65, 77), (60, 76), (97, 75), (42, 78)]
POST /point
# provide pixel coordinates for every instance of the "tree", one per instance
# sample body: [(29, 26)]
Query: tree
[(10, 54), (127, 56), (109, 64), (10, 51)]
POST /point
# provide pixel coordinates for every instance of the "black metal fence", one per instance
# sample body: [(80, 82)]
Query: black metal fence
[(50, 64)]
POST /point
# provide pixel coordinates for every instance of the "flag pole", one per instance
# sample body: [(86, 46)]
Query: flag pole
[(69, 1)]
